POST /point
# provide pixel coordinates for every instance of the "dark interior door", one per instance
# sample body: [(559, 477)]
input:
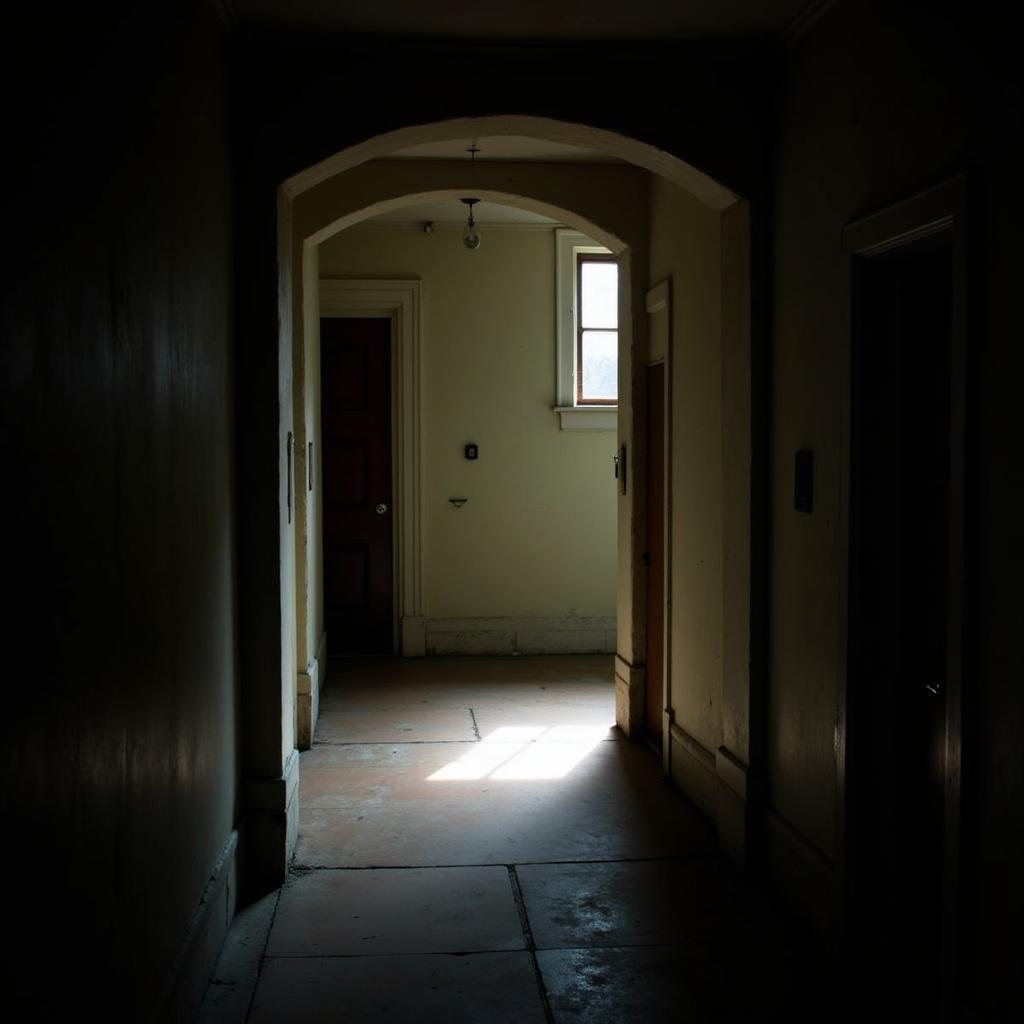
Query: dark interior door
[(655, 702), (897, 761), (355, 369)]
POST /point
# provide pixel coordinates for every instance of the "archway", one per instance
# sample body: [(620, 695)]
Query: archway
[(347, 188), (640, 154), (610, 207)]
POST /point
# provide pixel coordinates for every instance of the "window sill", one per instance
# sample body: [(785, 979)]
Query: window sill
[(583, 417)]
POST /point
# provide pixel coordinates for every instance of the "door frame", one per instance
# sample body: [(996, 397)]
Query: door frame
[(939, 209), (401, 303), (659, 300)]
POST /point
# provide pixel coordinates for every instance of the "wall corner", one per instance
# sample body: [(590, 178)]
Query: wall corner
[(271, 828), (629, 697)]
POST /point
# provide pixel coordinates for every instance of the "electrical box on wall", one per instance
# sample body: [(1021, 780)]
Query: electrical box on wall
[(472, 452)]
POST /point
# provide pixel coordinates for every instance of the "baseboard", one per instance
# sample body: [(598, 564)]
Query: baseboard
[(271, 827), (307, 705), (731, 808), (715, 782), (803, 874), (692, 767), (414, 636), (197, 955), (630, 693), (522, 635), (731, 771)]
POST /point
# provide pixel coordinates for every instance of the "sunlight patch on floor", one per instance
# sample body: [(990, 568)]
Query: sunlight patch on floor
[(516, 753)]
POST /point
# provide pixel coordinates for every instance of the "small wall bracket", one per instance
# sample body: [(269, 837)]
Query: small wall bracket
[(620, 468)]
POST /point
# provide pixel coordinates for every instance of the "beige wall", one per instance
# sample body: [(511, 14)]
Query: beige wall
[(608, 201), (538, 534), (685, 239)]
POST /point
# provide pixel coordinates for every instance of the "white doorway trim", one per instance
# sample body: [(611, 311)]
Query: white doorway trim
[(400, 302)]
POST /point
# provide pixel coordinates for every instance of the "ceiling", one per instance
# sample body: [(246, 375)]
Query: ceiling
[(504, 147), (530, 19), (454, 212)]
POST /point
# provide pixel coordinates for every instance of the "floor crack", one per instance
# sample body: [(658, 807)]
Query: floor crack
[(531, 946), (263, 956)]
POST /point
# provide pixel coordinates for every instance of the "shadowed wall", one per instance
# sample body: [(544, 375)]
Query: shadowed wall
[(120, 749)]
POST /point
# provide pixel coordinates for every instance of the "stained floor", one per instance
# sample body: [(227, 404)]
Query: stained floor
[(479, 843)]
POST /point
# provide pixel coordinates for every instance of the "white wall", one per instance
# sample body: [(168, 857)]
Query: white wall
[(537, 536)]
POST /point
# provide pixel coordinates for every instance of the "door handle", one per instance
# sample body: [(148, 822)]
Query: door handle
[(934, 689), (381, 509)]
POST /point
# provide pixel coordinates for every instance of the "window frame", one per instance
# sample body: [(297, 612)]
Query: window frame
[(579, 258), (568, 244)]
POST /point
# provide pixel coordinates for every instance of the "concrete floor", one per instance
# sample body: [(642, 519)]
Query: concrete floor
[(478, 843)]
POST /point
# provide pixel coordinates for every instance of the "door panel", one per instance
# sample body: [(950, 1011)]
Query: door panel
[(655, 702), (900, 590), (355, 360), (348, 484)]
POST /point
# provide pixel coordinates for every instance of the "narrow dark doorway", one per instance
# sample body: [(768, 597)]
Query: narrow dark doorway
[(655, 697), (902, 728), (355, 360)]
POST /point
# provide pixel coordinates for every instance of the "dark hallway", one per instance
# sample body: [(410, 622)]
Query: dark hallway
[(192, 185)]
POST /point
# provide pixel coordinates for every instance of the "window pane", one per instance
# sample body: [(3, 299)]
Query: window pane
[(599, 294), (600, 370)]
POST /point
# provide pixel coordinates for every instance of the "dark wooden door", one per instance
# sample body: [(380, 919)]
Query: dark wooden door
[(655, 703), (355, 367), (897, 761)]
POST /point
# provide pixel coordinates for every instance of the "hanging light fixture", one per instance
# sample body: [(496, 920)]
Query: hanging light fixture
[(470, 235)]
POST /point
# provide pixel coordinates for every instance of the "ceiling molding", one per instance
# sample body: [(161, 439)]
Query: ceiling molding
[(803, 22)]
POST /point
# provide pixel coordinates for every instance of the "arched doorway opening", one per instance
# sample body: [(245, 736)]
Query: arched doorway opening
[(678, 228), (424, 290)]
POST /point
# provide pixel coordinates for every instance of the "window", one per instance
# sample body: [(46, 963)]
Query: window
[(597, 329), (587, 337)]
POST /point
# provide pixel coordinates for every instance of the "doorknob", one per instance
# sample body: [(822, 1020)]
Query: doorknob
[(381, 509)]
